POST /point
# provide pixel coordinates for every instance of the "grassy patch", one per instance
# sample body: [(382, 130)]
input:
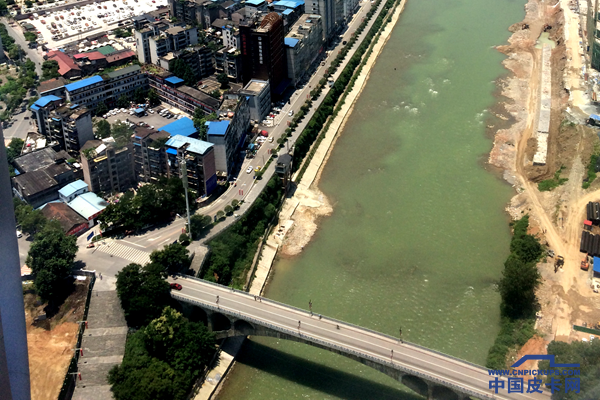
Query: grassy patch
[(591, 171), (556, 181)]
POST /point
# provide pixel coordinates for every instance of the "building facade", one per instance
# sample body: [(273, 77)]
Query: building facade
[(327, 10), (149, 157), (263, 52), (259, 98), (303, 44), (181, 96), (172, 39), (108, 88), (199, 162), (107, 168)]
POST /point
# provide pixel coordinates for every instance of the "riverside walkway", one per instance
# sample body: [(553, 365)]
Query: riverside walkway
[(430, 373)]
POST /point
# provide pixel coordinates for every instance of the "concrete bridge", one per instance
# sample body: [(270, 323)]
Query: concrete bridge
[(432, 374)]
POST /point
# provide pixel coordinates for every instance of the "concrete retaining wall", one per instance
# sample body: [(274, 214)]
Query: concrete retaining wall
[(543, 125)]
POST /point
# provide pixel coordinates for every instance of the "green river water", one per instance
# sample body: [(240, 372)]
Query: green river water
[(418, 234)]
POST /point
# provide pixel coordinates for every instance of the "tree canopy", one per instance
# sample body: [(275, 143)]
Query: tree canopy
[(31, 221), (174, 258), (50, 69), (163, 360), (153, 98), (103, 129), (223, 79), (181, 69), (50, 258)]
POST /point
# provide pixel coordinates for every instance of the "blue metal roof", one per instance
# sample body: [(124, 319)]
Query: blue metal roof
[(43, 101), (595, 117), (88, 204), (183, 127), (34, 107), (72, 187), (290, 42), (596, 264), (255, 2), (218, 128), (139, 110), (288, 11), (194, 145), (174, 80), (83, 83), (289, 3), (171, 151)]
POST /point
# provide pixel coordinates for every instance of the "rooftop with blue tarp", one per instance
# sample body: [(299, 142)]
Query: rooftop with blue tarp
[(43, 101), (83, 83), (174, 80), (596, 265), (193, 145), (290, 42), (72, 188), (288, 11), (595, 117), (183, 127), (289, 3), (139, 110), (218, 128), (171, 151), (255, 2)]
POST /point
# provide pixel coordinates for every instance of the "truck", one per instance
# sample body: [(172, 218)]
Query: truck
[(560, 261)]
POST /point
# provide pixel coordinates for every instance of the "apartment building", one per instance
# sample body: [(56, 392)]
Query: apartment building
[(172, 39), (229, 61), (69, 125), (142, 39), (327, 10), (258, 94), (107, 88), (199, 162), (199, 58), (149, 157), (303, 44), (229, 133), (107, 168), (172, 91)]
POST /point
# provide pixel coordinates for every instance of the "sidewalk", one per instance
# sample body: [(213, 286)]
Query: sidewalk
[(103, 342)]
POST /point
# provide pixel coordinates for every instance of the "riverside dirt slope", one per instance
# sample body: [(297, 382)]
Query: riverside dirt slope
[(556, 216)]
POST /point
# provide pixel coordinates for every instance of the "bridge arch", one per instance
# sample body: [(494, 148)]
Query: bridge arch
[(243, 328), (219, 322)]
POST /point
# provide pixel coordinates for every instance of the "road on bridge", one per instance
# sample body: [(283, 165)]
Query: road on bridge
[(385, 349)]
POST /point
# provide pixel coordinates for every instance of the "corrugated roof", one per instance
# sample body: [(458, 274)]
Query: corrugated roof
[(43, 101), (194, 145), (64, 214), (288, 11), (290, 42), (218, 128), (92, 55), (83, 83), (52, 84), (106, 50), (255, 2), (88, 204), (72, 187), (123, 71), (119, 55), (65, 63), (289, 3), (174, 80), (183, 127)]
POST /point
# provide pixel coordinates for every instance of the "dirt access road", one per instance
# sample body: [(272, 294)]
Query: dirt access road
[(557, 216)]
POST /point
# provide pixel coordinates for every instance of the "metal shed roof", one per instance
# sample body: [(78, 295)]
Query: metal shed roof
[(183, 127), (83, 83), (194, 145)]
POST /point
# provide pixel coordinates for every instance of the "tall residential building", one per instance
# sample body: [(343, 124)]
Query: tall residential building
[(229, 61), (303, 44), (258, 94), (149, 157), (199, 58), (107, 88), (593, 35), (107, 167), (142, 39), (229, 134), (69, 125), (200, 163), (327, 10), (172, 39), (263, 52), (350, 7), (171, 90)]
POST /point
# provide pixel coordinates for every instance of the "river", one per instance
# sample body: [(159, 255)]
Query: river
[(418, 234)]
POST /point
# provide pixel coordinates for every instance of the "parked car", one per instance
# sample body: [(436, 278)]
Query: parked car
[(19, 234), (271, 139), (249, 169), (291, 113), (175, 286)]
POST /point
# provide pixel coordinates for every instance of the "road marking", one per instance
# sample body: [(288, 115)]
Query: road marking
[(126, 252), (135, 244)]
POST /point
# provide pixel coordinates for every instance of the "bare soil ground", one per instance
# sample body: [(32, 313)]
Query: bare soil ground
[(50, 342), (555, 216)]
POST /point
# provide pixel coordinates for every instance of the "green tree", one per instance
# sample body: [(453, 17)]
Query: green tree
[(527, 248), (228, 210), (121, 132), (174, 258), (235, 203), (51, 257), (3, 7), (181, 69), (101, 109), (50, 69), (220, 215), (31, 221), (153, 98), (184, 239), (143, 293), (29, 36), (123, 102), (103, 129), (15, 52), (199, 223), (223, 79), (139, 96), (215, 93), (517, 288)]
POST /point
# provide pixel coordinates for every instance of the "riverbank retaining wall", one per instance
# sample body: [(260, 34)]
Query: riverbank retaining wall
[(543, 123)]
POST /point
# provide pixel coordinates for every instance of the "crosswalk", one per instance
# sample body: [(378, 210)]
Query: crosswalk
[(128, 253)]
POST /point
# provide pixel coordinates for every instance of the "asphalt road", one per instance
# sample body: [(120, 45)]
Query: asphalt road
[(383, 349)]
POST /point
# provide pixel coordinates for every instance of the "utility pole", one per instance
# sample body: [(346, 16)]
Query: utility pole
[(184, 180)]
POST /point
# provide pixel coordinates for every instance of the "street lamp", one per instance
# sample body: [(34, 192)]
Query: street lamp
[(184, 180)]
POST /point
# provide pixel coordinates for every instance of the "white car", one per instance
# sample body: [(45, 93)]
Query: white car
[(19, 234), (249, 169), (291, 113)]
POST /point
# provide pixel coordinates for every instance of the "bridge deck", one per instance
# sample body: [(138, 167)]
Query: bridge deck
[(383, 349)]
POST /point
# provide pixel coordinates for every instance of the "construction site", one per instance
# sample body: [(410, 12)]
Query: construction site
[(549, 98)]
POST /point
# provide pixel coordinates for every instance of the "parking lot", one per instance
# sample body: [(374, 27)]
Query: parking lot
[(153, 119), (58, 28)]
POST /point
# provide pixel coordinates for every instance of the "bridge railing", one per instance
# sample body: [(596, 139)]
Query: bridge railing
[(326, 344), (337, 322)]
